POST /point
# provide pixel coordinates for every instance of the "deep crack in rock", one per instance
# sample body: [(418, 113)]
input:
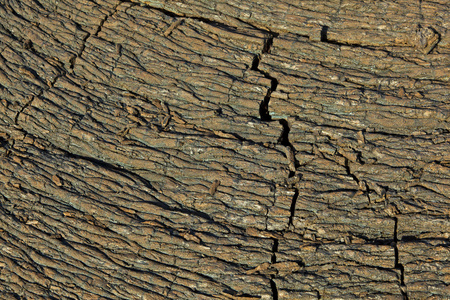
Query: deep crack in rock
[(398, 265), (329, 121)]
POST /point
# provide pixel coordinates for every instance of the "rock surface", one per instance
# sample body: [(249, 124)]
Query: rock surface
[(224, 149)]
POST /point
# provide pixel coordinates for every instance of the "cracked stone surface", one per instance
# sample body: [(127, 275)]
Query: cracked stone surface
[(224, 149)]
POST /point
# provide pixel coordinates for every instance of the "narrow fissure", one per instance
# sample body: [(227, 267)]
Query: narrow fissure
[(293, 165), (272, 277), (28, 45), (323, 34), (83, 46), (88, 35), (274, 289), (284, 137), (268, 43), (16, 118), (175, 14), (255, 63), (274, 251), (349, 173), (264, 106), (292, 209), (397, 263), (265, 116)]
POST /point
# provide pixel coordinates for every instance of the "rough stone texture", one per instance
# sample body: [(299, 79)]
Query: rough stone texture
[(224, 149)]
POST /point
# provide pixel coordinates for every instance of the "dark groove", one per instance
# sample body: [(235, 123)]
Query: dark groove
[(268, 43), (108, 166), (318, 295), (264, 106), (398, 265), (202, 19), (412, 239), (144, 181), (292, 209), (284, 137), (273, 260), (347, 168), (284, 140), (16, 118), (101, 25), (99, 28), (83, 46), (164, 11), (255, 63), (274, 289), (274, 251), (323, 34)]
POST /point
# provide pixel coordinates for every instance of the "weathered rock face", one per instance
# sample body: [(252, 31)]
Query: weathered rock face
[(217, 149)]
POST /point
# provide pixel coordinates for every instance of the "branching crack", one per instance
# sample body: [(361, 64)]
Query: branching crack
[(265, 116), (284, 137), (88, 35), (31, 98), (50, 84), (80, 52)]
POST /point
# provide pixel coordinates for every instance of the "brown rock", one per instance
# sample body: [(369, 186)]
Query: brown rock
[(224, 149)]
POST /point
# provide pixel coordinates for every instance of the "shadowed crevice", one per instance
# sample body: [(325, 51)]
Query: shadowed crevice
[(264, 106), (274, 288), (398, 265)]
